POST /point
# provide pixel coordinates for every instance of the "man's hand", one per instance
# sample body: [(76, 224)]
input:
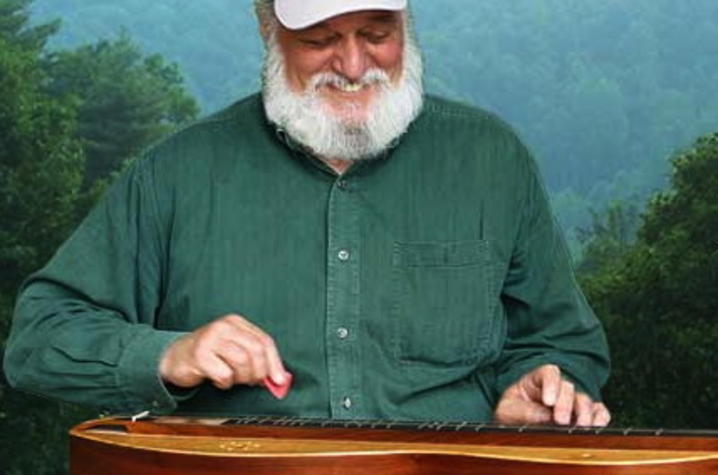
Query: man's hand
[(544, 397), (227, 351)]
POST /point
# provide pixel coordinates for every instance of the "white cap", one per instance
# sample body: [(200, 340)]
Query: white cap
[(298, 14)]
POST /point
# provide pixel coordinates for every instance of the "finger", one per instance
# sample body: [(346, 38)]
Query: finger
[(245, 325), (277, 372), (601, 415), (530, 387), (216, 370), (274, 366), (239, 360), (564, 404), (256, 346), (252, 357), (583, 410), (518, 411), (548, 378)]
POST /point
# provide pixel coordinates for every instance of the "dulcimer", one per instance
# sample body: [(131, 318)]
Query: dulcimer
[(269, 445)]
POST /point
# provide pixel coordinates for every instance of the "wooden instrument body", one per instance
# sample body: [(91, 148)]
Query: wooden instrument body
[(190, 446)]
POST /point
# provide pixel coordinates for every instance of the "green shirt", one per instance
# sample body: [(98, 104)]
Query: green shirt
[(419, 285)]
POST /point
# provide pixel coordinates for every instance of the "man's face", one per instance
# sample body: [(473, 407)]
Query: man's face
[(346, 88), (347, 51)]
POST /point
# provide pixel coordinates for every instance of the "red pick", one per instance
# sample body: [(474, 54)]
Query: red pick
[(279, 391)]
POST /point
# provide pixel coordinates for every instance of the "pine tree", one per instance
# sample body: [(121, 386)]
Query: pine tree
[(125, 100)]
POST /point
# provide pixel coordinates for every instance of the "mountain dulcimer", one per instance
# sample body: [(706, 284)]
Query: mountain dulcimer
[(172, 445)]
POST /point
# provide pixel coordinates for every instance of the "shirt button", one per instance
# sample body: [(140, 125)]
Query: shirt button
[(343, 185), (342, 333), (347, 403), (343, 255)]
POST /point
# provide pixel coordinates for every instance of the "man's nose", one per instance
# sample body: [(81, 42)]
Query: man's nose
[(350, 59)]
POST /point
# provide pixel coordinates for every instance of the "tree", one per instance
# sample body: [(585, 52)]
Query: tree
[(659, 303), (40, 164), (610, 236), (125, 100), (51, 117), (14, 27), (41, 172)]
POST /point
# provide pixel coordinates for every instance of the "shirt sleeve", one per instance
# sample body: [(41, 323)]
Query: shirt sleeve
[(548, 318), (83, 329)]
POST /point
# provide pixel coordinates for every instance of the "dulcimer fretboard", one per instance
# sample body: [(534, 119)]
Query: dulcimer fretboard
[(262, 445), (474, 427)]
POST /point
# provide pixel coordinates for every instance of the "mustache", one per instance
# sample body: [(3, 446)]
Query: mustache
[(372, 76)]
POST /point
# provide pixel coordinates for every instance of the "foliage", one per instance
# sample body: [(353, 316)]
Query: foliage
[(40, 167), (215, 42), (610, 237), (126, 100), (40, 177), (14, 29), (602, 91), (104, 102), (39, 159), (659, 302)]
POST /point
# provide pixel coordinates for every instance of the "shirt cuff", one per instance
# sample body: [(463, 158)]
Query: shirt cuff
[(180, 394), (138, 372)]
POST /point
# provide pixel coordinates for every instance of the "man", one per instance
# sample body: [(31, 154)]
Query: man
[(392, 253)]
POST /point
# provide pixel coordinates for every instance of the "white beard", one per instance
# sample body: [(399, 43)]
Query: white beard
[(309, 121)]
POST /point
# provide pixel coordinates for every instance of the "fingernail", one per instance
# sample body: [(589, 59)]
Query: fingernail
[(279, 379)]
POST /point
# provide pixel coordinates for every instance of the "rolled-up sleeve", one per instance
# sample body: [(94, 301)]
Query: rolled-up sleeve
[(83, 328), (548, 318)]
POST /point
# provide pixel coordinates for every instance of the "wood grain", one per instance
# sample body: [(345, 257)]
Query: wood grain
[(176, 446)]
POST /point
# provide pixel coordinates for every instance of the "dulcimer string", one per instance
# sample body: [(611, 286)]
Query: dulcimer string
[(442, 426)]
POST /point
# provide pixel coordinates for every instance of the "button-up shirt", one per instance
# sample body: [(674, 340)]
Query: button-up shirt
[(417, 285)]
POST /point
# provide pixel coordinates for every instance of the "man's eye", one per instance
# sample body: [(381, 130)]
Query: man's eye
[(377, 37), (317, 42)]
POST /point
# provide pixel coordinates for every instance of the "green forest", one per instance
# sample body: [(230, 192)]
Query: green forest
[(618, 100), (603, 92)]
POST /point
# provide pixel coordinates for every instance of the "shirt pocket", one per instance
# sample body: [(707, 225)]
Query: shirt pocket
[(441, 312)]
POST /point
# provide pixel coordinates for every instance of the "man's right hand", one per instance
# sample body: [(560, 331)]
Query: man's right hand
[(228, 351)]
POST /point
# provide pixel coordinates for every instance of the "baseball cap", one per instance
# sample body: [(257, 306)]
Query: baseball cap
[(298, 14)]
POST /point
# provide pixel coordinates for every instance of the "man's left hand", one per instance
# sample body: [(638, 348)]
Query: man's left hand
[(543, 396)]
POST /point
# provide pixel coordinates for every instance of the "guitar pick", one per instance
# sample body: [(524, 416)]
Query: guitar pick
[(279, 391)]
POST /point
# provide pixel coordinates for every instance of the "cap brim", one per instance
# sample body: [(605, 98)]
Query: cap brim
[(300, 14)]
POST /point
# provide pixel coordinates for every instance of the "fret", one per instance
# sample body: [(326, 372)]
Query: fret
[(462, 426), (443, 426)]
